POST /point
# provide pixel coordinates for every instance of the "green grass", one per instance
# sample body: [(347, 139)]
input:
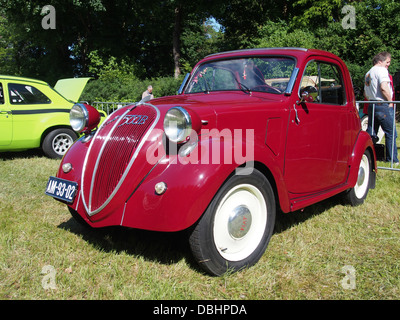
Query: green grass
[(303, 261)]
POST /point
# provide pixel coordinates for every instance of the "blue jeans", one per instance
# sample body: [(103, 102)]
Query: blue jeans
[(384, 116)]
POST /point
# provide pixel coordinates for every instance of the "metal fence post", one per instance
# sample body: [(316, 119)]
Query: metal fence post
[(393, 128)]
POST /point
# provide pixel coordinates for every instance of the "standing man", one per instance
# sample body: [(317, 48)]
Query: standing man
[(378, 88), (148, 95)]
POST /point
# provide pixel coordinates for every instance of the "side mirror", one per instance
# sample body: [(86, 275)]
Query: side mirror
[(306, 94)]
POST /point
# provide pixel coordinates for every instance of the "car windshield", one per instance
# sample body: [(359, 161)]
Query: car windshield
[(262, 74)]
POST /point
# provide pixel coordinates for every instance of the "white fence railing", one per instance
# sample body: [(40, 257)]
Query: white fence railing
[(109, 107), (393, 146)]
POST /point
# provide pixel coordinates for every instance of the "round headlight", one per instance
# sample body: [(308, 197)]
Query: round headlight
[(177, 125), (84, 118), (78, 117)]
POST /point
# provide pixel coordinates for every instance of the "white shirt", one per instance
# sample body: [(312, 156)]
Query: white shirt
[(146, 94), (373, 79)]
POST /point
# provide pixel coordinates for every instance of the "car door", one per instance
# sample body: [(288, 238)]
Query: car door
[(315, 158), (6, 123), (29, 110)]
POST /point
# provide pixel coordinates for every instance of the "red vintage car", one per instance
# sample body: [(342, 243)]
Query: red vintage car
[(250, 132)]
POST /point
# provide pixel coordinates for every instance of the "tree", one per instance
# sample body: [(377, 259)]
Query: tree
[(166, 37), (176, 42)]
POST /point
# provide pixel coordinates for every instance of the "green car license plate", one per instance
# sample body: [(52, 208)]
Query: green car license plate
[(61, 189)]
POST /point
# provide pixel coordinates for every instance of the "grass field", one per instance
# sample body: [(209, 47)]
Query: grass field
[(307, 258)]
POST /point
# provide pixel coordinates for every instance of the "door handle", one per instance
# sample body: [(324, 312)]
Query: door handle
[(6, 113), (297, 115)]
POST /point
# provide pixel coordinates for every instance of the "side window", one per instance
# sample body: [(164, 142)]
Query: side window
[(26, 94), (323, 83), (1, 94)]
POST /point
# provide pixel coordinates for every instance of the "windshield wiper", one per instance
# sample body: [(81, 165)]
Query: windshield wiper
[(244, 88)]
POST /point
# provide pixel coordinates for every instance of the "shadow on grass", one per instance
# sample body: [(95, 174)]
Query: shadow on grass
[(285, 221), (161, 247), (169, 248), (33, 153)]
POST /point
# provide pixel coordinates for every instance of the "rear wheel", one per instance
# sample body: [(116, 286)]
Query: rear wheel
[(57, 142), (235, 229), (356, 195), (364, 126)]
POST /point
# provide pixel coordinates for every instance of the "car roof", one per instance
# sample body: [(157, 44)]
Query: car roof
[(257, 50), (23, 79), (292, 51)]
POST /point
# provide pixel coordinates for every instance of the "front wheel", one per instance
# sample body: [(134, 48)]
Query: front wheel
[(57, 142), (235, 230)]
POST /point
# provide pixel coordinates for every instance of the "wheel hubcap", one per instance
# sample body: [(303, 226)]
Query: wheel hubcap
[(239, 222), (61, 143), (361, 176)]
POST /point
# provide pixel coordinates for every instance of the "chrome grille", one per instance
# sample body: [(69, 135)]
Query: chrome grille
[(112, 154)]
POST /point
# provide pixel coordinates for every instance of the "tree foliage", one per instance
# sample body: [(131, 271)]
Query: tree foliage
[(131, 40)]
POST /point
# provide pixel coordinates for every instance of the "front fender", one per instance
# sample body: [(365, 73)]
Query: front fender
[(191, 185)]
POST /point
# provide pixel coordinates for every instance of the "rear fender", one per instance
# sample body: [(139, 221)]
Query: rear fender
[(362, 144)]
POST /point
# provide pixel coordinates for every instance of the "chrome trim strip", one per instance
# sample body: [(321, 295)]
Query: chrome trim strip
[(137, 187), (144, 138), (123, 214), (79, 199), (292, 81), (183, 83)]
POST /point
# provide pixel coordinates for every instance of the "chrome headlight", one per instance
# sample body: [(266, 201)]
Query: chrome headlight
[(177, 125), (83, 117), (78, 117)]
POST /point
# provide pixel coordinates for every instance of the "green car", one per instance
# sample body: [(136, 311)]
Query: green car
[(35, 115)]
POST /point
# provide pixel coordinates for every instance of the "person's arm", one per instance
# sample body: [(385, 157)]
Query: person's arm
[(386, 91)]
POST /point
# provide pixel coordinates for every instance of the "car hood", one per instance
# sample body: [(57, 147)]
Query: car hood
[(211, 105), (236, 99), (71, 88)]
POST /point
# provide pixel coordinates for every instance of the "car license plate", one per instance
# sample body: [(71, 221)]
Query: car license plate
[(61, 189)]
